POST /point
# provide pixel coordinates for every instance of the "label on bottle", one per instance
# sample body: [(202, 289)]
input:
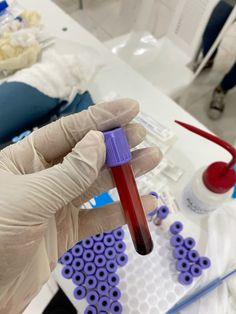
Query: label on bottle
[(192, 202)]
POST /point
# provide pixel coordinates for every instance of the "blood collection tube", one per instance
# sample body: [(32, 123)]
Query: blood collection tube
[(118, 156)]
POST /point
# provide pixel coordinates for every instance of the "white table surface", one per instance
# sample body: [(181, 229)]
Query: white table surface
[(190, 151)]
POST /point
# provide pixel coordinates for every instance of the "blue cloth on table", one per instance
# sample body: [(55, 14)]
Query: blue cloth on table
[(23, 107)]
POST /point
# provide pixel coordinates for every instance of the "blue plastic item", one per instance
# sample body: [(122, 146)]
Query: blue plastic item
[(200, 293)]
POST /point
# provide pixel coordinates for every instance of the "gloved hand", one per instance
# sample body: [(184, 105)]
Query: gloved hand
[(44, 181)]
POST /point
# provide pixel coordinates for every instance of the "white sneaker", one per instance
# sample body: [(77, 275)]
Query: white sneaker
[(217, 105)]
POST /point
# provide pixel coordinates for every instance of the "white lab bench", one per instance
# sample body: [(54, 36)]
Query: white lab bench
[(190, 152)]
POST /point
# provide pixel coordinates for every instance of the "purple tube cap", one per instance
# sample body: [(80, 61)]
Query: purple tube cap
[(79, 293), (176, 227), (116, 307), (119, 234), (162, 212), (182, 265), (67, 258), (104, 303), (122, 259), (189, 243), (176, 240), (179, 252), (113, 279), (114, 293), (67, 272), (185, 278), (78, 278), (103, 288), (91, 309), (92, 297), (204, 262), (193, 256), (77, 250), (117, 147), (91, 282), (196, 270)]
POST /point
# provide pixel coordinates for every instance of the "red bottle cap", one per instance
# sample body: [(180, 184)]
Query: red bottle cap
[(219, 177)]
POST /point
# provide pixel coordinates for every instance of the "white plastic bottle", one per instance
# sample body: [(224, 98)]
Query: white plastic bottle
[(213, 185)]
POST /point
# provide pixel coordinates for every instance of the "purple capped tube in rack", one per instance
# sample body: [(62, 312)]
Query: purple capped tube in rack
[(101, 274), (204, 262), (88, 255), (193, 256), (88, 243), (116, 308), (104, 303), (67, 258), (120, 246), (122, 259), (103, 288), (79, 292), (78, 264), (179, 252), (91, 309), (77, 250), (185, 278), (92, 297), (195, 270), (89, 268), (98, 237), (114, 293), (113, 279), (153, 194), (78, 278), (189, 243), (176, 240), (111, 266), (161, 214), (118, 234), (109, 240), (67, 271), (110, 253), (176, 227), (100, 260), (98, 248), (182, 265), (91, 282)]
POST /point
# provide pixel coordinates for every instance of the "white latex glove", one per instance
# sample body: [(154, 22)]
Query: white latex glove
[(44, 180)]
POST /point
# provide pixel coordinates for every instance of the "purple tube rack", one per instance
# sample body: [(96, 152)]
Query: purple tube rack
[(196, 270), (120, 246), (88, 255), (92, 297), (116, 307), (110, 253), (111, 266), (185, 278), (109, 240), (67, 258), (101, 274), (91, 282), (100, 260), (104, 303), (78, 264), (204, 262), (67, 271), (79, 293), (176, 240), (98, 248), (77, 250), (115, 293), (78, 278), (189, 243), (176, 227), (89, 268), (103, 288), (183, 265), (91, 309), (179, 252), (193, 256), (88, 243), (113, 279), (122, 259), (118, 234)]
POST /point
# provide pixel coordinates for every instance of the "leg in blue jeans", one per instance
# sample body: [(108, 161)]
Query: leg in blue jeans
[(215, 24), (229, 81)]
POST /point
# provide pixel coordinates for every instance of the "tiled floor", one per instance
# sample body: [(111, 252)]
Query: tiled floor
[(108, 19)]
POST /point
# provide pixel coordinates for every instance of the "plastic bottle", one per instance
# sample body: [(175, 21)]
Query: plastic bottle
[(213, 185)]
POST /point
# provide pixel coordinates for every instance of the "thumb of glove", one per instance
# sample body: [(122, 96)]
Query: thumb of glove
[(55, 187)]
